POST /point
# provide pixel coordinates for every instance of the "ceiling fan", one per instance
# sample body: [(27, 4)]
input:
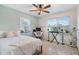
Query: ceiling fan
[(40, 8)]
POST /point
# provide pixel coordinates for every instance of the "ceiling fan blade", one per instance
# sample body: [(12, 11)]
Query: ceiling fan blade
[(33, 10), (46, 11), (47, 6), (35, 5)]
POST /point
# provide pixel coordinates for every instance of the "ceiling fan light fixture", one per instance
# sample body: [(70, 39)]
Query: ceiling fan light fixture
[(40, 8)]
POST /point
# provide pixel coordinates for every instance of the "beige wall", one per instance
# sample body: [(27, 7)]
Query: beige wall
[(43, 21), (9, 19)]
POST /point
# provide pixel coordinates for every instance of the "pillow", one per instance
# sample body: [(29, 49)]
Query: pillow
[(4, 35), (11, 34), (18, 33)]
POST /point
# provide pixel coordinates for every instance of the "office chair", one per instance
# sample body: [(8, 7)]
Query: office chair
[(38, 33)]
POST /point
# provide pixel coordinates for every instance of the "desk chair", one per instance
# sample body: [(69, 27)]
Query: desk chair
[(38, 33)]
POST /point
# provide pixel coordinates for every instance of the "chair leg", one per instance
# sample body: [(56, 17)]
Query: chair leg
[(41, 49)]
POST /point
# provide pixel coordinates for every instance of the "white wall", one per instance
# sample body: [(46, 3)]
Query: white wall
[(9, 19), (43, 21), (78, 28)]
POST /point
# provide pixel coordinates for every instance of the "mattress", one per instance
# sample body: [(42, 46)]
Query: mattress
[(21, 45)]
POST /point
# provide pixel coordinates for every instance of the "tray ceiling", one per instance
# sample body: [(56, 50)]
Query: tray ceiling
[(55, 8)]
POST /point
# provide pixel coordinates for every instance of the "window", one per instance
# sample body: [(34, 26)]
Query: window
[(24, 25), (61, 22)]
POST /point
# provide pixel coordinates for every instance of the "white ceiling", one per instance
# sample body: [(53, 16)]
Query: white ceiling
[(53, 9)]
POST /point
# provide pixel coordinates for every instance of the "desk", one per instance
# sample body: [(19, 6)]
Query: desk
[(55, 33)]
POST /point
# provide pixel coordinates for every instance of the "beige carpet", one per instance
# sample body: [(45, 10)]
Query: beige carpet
[(54, 49)]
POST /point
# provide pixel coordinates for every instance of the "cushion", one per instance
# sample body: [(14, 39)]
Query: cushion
[(11, 34), (4, 35)]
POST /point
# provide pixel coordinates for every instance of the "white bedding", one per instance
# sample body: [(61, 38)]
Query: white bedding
[(23, 45)]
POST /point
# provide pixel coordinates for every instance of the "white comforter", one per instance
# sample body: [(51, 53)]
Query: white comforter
[(22, 45)]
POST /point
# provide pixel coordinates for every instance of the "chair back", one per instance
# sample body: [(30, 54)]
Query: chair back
[(37, 32)]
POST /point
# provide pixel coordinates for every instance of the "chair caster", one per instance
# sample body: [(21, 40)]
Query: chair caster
[(57, 42), (48, 40), (62, 43)]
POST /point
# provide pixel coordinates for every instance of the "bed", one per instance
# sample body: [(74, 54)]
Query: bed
[(20, 45)]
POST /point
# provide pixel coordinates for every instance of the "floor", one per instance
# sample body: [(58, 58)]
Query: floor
[(58, 49)]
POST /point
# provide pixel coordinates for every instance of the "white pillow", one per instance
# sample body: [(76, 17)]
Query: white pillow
[(3, 34)]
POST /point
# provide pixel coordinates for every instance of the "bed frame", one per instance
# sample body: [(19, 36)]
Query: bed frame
[(38, 52)]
